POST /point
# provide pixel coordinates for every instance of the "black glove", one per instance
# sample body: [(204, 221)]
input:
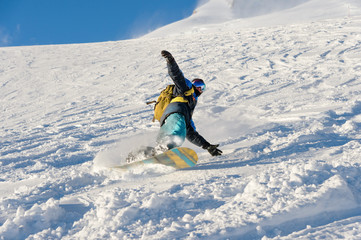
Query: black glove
[(213, 150), (167, 56)]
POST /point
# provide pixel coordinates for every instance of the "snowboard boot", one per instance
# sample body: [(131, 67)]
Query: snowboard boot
[(159, 149), (140, 154)]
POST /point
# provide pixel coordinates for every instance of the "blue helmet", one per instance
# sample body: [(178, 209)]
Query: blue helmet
[(199, 83)]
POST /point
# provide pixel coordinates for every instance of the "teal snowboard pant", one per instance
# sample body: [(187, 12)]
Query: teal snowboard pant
[(173, 132)]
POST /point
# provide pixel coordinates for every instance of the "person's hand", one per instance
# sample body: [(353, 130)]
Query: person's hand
[(167, 55), (213, 150)]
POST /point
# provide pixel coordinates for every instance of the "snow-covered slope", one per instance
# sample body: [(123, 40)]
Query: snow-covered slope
[(215, 14), (283, 102)]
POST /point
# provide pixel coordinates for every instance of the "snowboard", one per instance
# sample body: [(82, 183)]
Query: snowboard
[(180, 157)]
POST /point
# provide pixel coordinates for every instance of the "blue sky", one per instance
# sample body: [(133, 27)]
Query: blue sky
[(42, 22)]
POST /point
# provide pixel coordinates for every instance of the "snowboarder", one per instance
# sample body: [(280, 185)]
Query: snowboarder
[(176, 122)]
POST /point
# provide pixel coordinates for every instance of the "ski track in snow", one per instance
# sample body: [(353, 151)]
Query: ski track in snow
[(283, 102)]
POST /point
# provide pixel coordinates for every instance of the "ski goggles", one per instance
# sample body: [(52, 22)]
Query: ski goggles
[(199, 84)]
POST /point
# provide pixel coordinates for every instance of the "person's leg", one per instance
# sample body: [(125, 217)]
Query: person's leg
[(173, 132)]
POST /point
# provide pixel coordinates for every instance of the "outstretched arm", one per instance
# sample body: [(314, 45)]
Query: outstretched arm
[(175, 73), (194, 137)]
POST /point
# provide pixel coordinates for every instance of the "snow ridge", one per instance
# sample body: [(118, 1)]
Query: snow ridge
[(236, 14)]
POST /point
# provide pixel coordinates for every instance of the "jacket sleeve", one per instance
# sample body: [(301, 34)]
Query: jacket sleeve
[(194, 137), (177, 76)]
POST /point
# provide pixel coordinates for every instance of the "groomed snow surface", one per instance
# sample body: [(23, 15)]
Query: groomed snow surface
[(283, 101)]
